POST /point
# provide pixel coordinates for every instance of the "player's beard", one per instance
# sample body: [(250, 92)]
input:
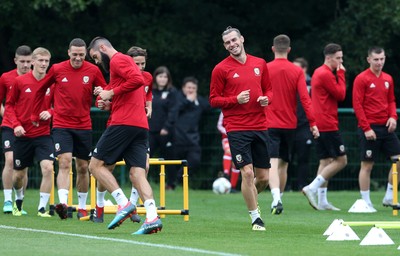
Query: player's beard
[(105, 62)]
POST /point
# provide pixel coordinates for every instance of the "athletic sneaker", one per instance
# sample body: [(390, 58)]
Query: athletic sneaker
[(277, 209), (98, 215), (258, 225), (311, 196), (327, 207), (135, 218), (7, 207), (387, 202), (42, 213), (81, 213), (62, 211), (16, 211), (150, 227), (122, 214)]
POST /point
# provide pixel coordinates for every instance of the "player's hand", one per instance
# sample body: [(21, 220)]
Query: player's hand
[(191, 96), (104, 104), (391, 124), (370, 135), (106, 95), (263, 101), (243, 97), (45, 115), (97, 90), (315, 131), (149, 111), (164, 132), (340, 66), (19, 131)]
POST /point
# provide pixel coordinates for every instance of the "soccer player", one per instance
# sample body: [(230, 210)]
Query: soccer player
[(375, 108), (327, 90), (240, 86), (229, 169), (23, 59), (73, 80), (32, 141), (125, 137), (287, 81)]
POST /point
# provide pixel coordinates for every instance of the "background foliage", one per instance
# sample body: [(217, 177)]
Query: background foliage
[(185, 35)]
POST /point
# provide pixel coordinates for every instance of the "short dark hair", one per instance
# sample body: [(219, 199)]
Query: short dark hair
[(77, 42), (302, 61), (94, 44), (375, 49), (135, 51), (190, 79), (23, 50), (281, 43), (229, 29), (332, 48)]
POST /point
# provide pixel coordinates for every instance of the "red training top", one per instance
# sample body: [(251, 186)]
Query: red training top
[(6, 82), (373, 99), (231, 77), (287, 81), (326, 91)]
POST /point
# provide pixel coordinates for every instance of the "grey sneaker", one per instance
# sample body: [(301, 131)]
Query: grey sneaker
[(311, 196)]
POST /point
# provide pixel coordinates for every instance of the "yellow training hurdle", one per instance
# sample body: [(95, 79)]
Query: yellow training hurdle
[(161, 210)]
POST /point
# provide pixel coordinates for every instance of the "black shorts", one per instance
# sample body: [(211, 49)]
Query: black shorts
[(281, 143), (77, 142), (26, 149), (385, 142), (123, 142), (330, 145), (249, 147), (7, 139)]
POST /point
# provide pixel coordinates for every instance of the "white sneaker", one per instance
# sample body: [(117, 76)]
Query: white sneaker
[(327, 207), (311, 196), (387, 202)]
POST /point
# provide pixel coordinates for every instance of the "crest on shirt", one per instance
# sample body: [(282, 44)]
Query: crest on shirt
[(239, 158), (146, 88), (7, 144), (368, 153), (85, 79), (257, 71), (48, 91), (386, 84)]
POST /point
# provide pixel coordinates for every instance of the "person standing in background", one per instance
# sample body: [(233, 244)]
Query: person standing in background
[(163, 120), (229, 169), (327, 89)]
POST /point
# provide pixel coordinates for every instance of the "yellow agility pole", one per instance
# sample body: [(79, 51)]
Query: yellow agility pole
[(388, 226), (395, 187)]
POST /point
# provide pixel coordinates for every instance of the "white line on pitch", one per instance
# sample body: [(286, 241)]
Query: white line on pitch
[(164, 246)]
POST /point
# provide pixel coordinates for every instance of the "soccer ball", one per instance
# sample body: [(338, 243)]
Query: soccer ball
[(221, 186)]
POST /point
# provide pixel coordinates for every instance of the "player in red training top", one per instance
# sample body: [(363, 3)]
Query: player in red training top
[(31, 141), (287, 81), (375, 108), (23, 59), (240, 86), (126, 136), (74, 80), (229, 169), (327, 89), (139, 56)]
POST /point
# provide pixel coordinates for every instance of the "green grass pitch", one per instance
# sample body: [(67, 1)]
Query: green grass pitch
[(218, 225)]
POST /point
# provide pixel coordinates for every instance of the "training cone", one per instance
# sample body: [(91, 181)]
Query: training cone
[(343, 232), (360, 206), (376, 236), (334, 225)]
